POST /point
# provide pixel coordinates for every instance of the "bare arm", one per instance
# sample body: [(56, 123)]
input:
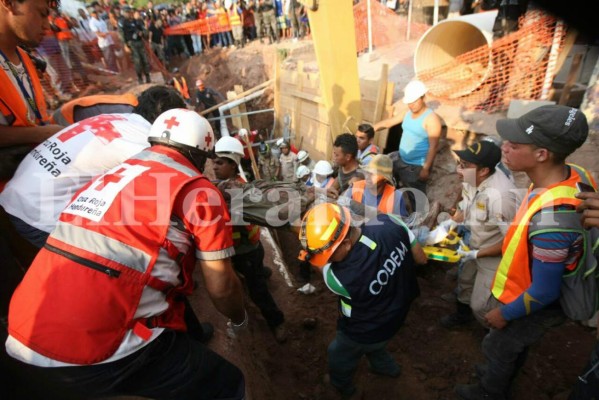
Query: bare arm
[(433, 127), (491, 251), (11, 135), (224, 288), (389, 122), (418, 254)]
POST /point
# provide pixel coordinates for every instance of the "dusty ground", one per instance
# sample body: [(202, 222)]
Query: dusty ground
[(433, 359)]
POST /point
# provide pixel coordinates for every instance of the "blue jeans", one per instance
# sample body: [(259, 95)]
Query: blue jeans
[(344, 355), (505, 349)]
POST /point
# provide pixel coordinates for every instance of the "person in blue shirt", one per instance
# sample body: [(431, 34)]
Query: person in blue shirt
[(372, 270)]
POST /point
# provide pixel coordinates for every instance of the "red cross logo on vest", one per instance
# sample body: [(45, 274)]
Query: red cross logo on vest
[(112, 178), (172, 121), (101, 126)]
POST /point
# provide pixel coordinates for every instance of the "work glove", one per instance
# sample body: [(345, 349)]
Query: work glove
[(449, 224), (465, 252), (233, 330)]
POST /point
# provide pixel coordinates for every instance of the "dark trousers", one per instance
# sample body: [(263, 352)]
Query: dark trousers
[(587, 384), (251, 266), (140, 58), (505, 349), (173, 366)]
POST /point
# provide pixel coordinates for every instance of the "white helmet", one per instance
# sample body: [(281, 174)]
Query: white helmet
[(243, 132), (413, 91), (302, 155), (323, 167), (228, 144), (184, 130), (302, 171), (279, 142)]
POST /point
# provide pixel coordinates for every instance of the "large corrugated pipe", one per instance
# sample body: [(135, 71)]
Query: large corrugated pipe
[(442, 43)]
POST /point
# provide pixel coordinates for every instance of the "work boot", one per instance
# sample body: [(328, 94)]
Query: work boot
[(139, 80), (462, 316), (476, 392), (148, 80)]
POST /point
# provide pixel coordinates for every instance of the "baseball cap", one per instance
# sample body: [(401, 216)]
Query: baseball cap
[(381, 165), (559, 129), (483, 153)]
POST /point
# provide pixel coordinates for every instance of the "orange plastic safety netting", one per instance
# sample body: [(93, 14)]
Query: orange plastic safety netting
[(522, 66), (387, 26)]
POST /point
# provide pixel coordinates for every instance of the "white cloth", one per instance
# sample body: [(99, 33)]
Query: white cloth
[(55, 170), (98, 25)]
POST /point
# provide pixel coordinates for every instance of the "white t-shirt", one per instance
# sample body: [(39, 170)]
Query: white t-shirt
[(98, 25), (55, 170)]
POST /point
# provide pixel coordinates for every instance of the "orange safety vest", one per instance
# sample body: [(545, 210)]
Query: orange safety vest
[(65, 32), (182, 87), (81, 293), (12, 104), (65, 114), (513, 275), (223, 19), (249, 232), (387, 201)]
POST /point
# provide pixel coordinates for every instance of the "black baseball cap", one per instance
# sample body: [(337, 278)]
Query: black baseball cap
[(559, 129), (483, 153)]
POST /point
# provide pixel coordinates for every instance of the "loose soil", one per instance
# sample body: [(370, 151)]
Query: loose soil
[(433, 359)]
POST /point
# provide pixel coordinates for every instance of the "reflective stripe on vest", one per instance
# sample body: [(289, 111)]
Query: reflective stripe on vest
[(81, 294), (387, 200), (65, 114), (513, 275), (12, 104)]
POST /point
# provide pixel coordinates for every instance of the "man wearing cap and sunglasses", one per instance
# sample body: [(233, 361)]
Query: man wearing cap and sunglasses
[(489, 203), (372, 268), (545, 242)]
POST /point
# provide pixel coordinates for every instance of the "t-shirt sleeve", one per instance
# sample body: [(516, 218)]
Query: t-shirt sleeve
[(204, 212)]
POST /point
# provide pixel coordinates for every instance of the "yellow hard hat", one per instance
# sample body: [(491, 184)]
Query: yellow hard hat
[(323, 229)]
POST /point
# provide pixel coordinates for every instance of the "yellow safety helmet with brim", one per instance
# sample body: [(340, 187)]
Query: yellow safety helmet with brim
[(323, 229)]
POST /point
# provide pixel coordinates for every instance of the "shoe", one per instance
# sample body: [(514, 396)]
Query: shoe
[(280, 333), (148, 80), (456, 319), (208, 332), (140, 81), (393, 374), (476, 392)]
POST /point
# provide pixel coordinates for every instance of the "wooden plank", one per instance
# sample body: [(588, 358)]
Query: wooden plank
[(235, 121), (571, 79), (277, 93), (245, 122), (381, 93)]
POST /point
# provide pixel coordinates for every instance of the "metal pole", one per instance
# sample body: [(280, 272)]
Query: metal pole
[(369, 17), (241, 114), (409, 25), (436, 13)]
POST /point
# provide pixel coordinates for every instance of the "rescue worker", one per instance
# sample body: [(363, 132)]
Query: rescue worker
[(366, 149), (269, 166), (179, 83), (133, 32), (303, 158), (40, 190), (322, 175), (266, 20), (413, 162), (372, 268), (134, 235), (303, 174), (488, 205), (249, 252), (288, 162), (207, 98), (545, 242), (23, 110), (88, 106), (376, 191), (345, 153)]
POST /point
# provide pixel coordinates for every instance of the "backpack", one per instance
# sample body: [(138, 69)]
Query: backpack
[(579, 292)]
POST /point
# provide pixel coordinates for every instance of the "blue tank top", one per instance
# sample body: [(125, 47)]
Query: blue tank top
[(414, 145)]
